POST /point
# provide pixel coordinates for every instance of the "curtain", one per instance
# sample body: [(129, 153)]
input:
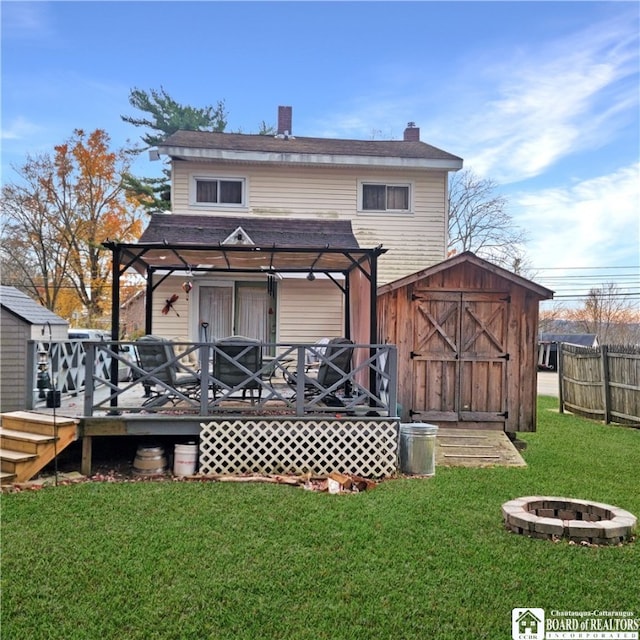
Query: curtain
[(252, 312), (216, 308), (206, 191), (398, 198)]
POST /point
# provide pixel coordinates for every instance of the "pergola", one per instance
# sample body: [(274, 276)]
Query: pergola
[(156, 261)]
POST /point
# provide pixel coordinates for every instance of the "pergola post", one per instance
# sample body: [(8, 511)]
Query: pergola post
[(115, 322), (148, 306)]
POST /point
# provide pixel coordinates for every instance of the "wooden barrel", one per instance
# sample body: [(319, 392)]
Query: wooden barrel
[(149, 461)]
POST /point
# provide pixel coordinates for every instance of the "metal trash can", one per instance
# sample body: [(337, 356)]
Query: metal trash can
[(417, 448)]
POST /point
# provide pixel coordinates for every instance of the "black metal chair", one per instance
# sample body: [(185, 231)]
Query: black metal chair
[(165, 378), (237, 363), (333, 373)]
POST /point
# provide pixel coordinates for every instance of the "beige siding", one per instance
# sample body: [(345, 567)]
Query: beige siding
[(308, 311), (414, 241), (171, 325)]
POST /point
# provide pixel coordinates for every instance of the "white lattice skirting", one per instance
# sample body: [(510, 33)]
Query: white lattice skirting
[(363, 447)]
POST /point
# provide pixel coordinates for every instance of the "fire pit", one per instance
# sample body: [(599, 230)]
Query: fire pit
[(576, 520)]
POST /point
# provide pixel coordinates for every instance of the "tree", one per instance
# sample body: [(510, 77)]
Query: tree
[(608, 314), (66, 205), (165, 116), (168, 116), (479, 222), (33, 255)]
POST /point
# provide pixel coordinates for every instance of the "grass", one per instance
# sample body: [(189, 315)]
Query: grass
[(411, 559)]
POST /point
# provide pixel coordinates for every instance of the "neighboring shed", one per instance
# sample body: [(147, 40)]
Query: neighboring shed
[(22, 319), (548, 346), (467, 333)]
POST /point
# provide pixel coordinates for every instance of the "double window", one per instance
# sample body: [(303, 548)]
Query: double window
[(385, 197), (219, 191)]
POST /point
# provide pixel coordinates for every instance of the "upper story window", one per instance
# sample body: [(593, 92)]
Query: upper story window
[(385, 197), (219, 191)]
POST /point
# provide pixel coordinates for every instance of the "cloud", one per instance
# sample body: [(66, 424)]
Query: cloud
[(564, 98), (25, 20), (18, 129), (592, 223)]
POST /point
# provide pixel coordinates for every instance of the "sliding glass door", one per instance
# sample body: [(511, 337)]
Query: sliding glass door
[(240, 308)]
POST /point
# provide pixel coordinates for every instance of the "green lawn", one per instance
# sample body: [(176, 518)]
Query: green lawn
[(414, 558)]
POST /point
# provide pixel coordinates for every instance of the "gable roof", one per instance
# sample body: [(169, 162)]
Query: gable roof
[(175, 228), (22, 306), (207, 145), (470, 258)]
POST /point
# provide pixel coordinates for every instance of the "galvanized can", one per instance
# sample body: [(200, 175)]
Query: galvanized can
[(417, 448)]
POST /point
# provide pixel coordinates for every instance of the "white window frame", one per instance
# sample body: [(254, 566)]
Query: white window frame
[(385, 183), (193, 191)]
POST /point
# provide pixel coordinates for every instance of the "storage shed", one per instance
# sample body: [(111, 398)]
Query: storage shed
[(22, 319), (467, 338)]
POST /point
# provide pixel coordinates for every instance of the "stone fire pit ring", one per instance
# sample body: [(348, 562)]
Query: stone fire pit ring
[(567, 518)]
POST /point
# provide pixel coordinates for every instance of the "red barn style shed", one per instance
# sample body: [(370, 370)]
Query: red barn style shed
[(466, 332)]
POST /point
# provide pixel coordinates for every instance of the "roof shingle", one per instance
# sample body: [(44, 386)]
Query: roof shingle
[(204, 140), (265, 232)]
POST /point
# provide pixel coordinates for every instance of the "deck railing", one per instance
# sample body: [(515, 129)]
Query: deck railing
[(282, 384)]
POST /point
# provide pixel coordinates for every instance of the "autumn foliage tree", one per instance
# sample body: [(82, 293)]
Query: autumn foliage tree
[(65, 205)]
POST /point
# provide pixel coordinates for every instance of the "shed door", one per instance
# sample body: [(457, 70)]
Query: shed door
[(459, 357)]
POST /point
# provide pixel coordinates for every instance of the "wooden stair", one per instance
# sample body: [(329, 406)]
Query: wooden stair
[(28, 443)]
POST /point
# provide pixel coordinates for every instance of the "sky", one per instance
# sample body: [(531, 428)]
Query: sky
[(542, 98)]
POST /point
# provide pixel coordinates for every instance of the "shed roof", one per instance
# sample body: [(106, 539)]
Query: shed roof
[(581, 339), (24, 307), (203, 145), (470, 258)]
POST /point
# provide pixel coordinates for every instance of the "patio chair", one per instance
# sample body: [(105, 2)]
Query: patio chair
[(237, 362), (313, 355), (168, 380), (335, 363)]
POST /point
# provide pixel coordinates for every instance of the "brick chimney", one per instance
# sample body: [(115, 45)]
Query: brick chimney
[(284, 120), (412, 133)]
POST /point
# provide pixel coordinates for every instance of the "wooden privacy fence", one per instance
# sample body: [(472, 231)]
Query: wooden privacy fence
[(601, 383)]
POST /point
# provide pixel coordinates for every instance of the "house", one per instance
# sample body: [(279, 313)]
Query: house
[(340, 202), (548, 346), (466, 332), (529, 625), (23, 319)]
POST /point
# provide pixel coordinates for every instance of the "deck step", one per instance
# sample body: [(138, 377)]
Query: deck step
[(22, 440), (9, 459), (16, 456), (32, 422), (6, 477), (29, 441)]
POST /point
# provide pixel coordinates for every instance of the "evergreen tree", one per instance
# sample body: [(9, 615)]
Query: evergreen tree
[(165, 116)]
